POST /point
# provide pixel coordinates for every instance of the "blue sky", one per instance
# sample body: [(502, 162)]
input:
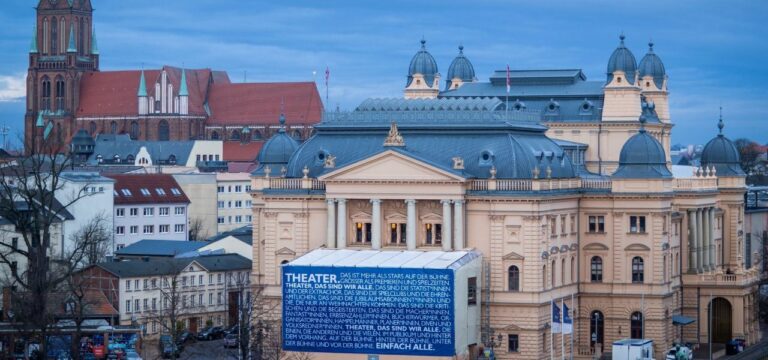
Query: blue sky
[(715, 52)]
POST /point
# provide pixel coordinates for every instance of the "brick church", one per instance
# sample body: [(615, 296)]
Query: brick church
[(67, 92)]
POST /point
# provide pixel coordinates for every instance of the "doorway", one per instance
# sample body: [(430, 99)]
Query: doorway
[(721, 320)]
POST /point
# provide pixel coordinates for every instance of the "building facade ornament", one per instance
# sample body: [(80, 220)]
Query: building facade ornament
[(394, 138)]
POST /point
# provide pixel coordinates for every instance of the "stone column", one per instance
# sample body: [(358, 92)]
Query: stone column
[(692, 250), (712, 247), (410, 230), (705, 239), (458, 226), (341, 233), (330, 240), (699, 242), (447, 241), (376, 224)]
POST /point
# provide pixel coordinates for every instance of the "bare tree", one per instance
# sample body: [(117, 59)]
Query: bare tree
[(197, 231), (264, 335), (749, 151), (28, 202), (94, 237)]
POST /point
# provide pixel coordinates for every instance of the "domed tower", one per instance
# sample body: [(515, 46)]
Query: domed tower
[(276, 152), (653, 81), (722, 154), (460, 71), (423, 77), (622, 95), (642, 157)]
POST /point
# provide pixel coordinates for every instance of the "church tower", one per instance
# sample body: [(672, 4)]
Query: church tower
[(63, 47), (423, 77)]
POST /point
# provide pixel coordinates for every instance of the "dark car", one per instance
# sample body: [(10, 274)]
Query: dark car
[(210, 333), (184, 337), (168, 349), (231, 340), (232, 330)]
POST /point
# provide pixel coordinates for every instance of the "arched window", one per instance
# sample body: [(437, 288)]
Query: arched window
[(163, 133), (93, 128), (235, 135), (596, 324), (514, 278), (81, 38), (172, 159), (637, 270), (134, 130), (573, 269), (544, 277), (562, 272), (45, 36), (596, 269), (256, 135), (54, 37), (60, 92), (130, 158), (45, 92), (552, 272), (636, 325), (59, 133), (113, 128), (297, 135), (214, 135)]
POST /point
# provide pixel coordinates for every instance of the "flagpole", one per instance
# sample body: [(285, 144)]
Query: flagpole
[(562, 332), (573, 324), (710, 325), (551, 329)]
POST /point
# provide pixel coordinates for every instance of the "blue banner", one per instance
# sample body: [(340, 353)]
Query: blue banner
[(388, 311)]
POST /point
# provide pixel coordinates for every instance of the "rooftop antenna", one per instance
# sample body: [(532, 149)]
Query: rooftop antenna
[(720, 123), (4, 131)]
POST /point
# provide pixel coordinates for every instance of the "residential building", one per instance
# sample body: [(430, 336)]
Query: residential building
[(149, 206), (233, 200), (583, 211), (122, 150), (90, 196), (200, 289), (201, 191), (237, 241)]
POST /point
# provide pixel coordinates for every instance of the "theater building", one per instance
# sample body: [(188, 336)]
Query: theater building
[(564, 186)]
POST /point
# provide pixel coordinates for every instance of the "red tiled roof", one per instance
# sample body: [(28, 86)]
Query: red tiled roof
[(151, 182), (241, 167), (113, 93), (237, 151), (260, 103)]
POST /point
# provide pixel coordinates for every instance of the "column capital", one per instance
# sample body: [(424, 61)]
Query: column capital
[(341, 200), (410, 201), (330, 201), (458, 202), (446, 201), (375, 201)]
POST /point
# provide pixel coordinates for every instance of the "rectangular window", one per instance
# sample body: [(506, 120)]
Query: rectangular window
[(210, 279), (200, 299), (136, 284), (146, 304), (472, 291), (238, 204), (165, 211), (210, 298), (637, 224), (134, 229), (145, 192), (184, 281), (15, 243), (573, 224), (220, 204), (160, 191), (136, 305), (553, 226), (179, 210), (154, 283), (120, 230), (134, 212), (248, 203), (127, 305), (175, 191), (238, 188), (220, 189), (200, 280), (248, 218), (149, 229), (127, 284), (220, 220), (148, 211), (218, 298), (120, 212), (178, 228), (192, 300), (597, 224), (219, 279), (514, 343), (164, 229), (126, 192), (154, 303), (562, 224), (238, 219), (184, 301), (146, 284), (247, 188)]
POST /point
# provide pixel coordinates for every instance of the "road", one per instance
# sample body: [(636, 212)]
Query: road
[(196, 350)]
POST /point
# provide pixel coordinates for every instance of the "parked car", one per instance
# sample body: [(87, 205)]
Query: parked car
[(168, 349), (184, 337), (231, 340), (132, 355), (235, 329), (211, 333), (673, 351)]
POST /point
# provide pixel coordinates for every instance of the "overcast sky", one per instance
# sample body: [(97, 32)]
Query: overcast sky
[(715, 52)]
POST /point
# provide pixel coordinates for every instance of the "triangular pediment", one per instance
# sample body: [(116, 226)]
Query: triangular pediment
[(285, 251), (513, 256), (391, 166)]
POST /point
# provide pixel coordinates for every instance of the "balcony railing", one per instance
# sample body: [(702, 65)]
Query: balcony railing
[(695, 184)]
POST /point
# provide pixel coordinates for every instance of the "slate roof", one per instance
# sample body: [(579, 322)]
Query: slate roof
[(244, 234), (165, 248), (153, 267), (480, 137), (423, 63), (136, 182), (642, 157), (723, 155), (262, 103), (109, 145)]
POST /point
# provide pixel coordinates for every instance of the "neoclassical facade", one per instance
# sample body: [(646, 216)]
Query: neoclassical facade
[(636, 247)]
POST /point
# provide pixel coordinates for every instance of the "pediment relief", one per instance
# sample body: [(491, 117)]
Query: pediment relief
[(431, 217), (637, 247), (285, 251), (513, 256), (595, 246), (361, 216), (395, 217), (511, 327), (391, 166)]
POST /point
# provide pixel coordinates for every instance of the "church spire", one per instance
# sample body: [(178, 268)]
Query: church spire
[(142, 86), (33, 45), (72, 48), (94, 44), (183, 87)]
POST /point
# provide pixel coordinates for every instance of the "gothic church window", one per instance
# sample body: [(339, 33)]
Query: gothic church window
[(45, 36), (60, 92), (214, 135), (257, 135), (235, 135), (81, 41), (54, 36), (163, 132), (46, 94), (113, 128), (134, 130), (93, 128)]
